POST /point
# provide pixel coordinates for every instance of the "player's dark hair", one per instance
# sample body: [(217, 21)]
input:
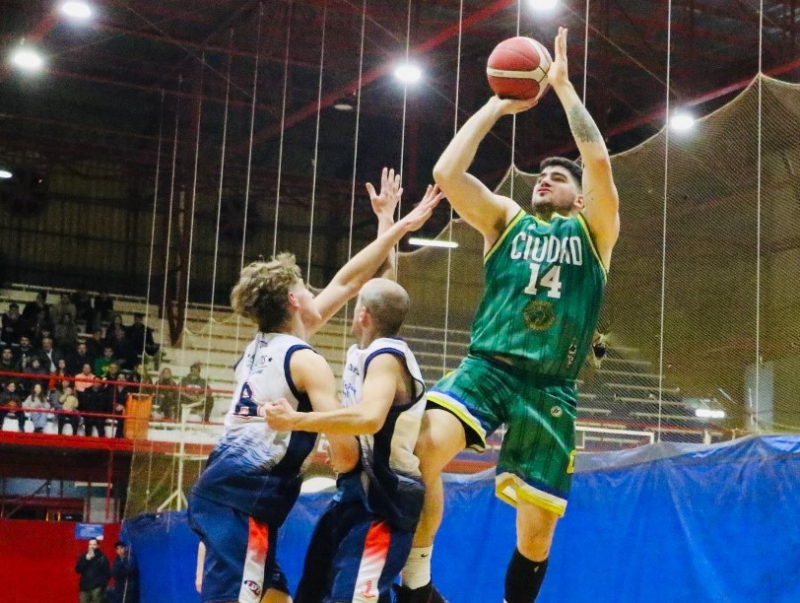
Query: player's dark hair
[(573, 168)]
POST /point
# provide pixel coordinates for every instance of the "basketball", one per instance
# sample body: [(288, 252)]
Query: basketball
[(517, 68)]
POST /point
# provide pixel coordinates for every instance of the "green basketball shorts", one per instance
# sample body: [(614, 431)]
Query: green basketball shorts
[(537, 455)]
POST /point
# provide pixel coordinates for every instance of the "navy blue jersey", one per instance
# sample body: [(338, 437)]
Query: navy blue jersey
[(391, 479), (253, 468)]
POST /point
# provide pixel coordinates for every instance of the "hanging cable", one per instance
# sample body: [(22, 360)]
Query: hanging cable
[(219, 206), (150, 268), (456, 101), (250, 154), (756, 404), (664, 232), (289, 13), (514, 119), (316, 142), (355, 160)]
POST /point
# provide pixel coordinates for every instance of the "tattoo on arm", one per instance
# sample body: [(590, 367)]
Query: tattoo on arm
[(582, 125)]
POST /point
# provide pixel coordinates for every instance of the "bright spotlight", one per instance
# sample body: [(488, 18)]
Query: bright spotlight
[(408, 73), (421, 242), (709, 413), (543, 5), (27, 59), (681, 122), (75, 9), (5, 174)]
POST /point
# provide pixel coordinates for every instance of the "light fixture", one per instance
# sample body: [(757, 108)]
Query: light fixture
[(681, 121), (343, 106), (5, 173), (543, 5), (420, 242), (77, 10), (408, 73), (709, 413), (27, 58)]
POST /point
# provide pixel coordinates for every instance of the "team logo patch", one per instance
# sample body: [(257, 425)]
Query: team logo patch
[(253, 587), (556, 412), (538, 315)]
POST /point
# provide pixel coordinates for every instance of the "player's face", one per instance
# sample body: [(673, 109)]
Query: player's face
[(356, 328), (305, 302), (555, 191)]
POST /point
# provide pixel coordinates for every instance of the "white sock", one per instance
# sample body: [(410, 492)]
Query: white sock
[(417, 572)]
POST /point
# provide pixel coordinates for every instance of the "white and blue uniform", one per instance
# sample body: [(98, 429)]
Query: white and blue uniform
[(363, 539), (252, 478)]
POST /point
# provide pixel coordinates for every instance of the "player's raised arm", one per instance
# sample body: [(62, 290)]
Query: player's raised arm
[(364, 265), (485, 211), (601, 201), (384, 204), (366, 417)]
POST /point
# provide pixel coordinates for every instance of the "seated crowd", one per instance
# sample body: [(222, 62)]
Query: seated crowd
[(79, 362)]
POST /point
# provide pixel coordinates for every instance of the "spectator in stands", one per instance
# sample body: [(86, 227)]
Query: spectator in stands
[(123, 350), (64, 306), (64, 400), (49, 355), (119, 397), (25, 352), (38, 403), (32, 308), (41, 328), (65, 334), (194, 389), (101, 364), (126, 577), (83, 307), (10, 402), (95, 574), (79, 357), (84, 379), (8, 364), (141, 336), (166, 399), (96, 344), (60, 374), (95, 400), (14, 326), (103, 308), (36, 374)]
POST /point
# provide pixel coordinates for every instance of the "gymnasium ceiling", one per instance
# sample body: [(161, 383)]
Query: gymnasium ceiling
[(100, 94)]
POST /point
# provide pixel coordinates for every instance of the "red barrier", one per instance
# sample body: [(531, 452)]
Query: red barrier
[(39, 559)]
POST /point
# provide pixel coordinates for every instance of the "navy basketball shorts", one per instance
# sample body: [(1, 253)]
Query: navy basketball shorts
[(353, 557), (240, 562)]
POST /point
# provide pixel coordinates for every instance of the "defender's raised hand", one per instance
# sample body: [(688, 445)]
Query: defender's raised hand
[(420, 214), (384, 204)]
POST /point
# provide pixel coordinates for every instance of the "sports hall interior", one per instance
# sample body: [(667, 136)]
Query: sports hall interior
[(149, 149)]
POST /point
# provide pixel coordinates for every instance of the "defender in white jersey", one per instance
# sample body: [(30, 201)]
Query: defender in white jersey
[(364, 537), (253, 474)]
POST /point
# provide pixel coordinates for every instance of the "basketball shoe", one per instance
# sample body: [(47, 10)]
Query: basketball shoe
[(424, 594)]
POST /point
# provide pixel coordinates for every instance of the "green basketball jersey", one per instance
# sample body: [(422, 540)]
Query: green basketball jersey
[(544, 287)]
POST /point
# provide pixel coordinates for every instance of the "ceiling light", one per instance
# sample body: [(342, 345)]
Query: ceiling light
[(681, 121), (27, 58), (408, 73), (74, 9), (343, 107), (543, 5), (432, 243), (5, 174), (708, 413)]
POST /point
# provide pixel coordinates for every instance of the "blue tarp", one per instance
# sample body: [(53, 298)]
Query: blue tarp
[(662, 523)]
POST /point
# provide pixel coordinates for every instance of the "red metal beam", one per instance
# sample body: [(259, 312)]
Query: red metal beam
[(378, 72)]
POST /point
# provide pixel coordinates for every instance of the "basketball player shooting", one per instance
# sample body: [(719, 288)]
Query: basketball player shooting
[(545, 274)]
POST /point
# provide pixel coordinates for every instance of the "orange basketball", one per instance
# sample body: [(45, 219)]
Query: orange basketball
[(517, 68)]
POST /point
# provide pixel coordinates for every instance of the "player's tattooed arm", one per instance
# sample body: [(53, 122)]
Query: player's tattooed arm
[(582, 125)]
